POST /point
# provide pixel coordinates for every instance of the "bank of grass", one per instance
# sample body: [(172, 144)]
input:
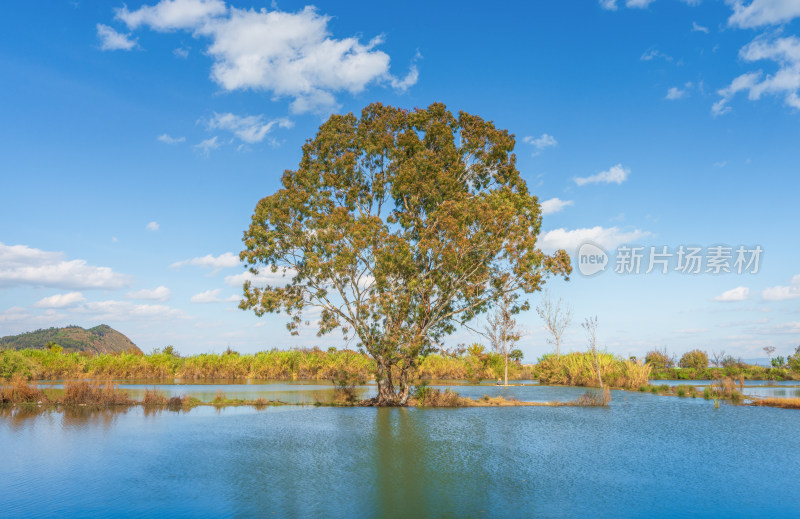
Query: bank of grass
[(783, 403), (425, 396), (747, 371), (578, 369), (297, 364)]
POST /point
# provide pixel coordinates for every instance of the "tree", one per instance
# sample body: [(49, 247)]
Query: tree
[(556, 316), (501, 329), (590, 326), (660, 359), (769, 350), (695, 359), (398, 227), (717, 358)]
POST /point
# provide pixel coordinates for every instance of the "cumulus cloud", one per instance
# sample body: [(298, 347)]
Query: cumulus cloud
[(610, 5), (223, 261), (614, 175), (152, 226), (782, 293), (211, 296), (171, 15), (762, 12), (112, 310), (287, 54), (23, 265), (207, 145), (570, 239), (160, 293), (651, 54), (699, 28), (170, 140), (250, 128), (785, 82), (264, 277), (734, 294), (542, 142), (60, 300), (554, 205), (641, 4), (675, 93), (112, 40)]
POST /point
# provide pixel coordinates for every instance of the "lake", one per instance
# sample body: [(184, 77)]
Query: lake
[(643, 456)]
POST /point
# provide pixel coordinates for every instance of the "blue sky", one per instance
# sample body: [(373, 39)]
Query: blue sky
[(137, 139)]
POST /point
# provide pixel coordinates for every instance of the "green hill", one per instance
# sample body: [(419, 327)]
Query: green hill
[(100, 339)]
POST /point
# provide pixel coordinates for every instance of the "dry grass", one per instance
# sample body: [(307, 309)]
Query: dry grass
[(784, 403), (153, 397), (594, 398), (578, 369), (18, 391), (83, 392)]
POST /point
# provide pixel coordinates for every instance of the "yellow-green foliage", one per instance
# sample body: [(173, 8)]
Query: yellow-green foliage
[(577, 369)]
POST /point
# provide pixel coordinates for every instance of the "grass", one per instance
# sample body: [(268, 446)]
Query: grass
[(578, 369), (83, 392), (784, 403), (594, 398)]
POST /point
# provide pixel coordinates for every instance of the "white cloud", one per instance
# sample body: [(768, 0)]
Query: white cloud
[(675, 93), (161, 293), (540, 143), (223, 261), (641, 4), (171, 140), (105, 311), (782, 293), (112, 40), (614, 175), (606, 237), (785, 82), (60, 300), (207, 145), (180, 52), (762, 12), (211, 296), (651, 54), (250, 129), (610, 5), (555, 205), (699, 28), (734, 294), (170, 15), (264, 277), (23, 265), (288, 54), (152, 226)]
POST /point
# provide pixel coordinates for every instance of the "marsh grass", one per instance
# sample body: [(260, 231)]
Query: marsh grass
[(594, 398), (97, 393), (784, 403), (18, 391), (154, 397), (578, 369)]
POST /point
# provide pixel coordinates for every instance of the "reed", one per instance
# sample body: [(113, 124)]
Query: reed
[(83, 392), (784, 403), (154, 397), (18, 391), (578, 369)]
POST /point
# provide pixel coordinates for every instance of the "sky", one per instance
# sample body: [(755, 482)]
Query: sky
[(137, 139)]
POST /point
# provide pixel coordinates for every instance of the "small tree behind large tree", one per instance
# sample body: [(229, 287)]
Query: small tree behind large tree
[(502, 331), (398, 227), (556, 316)]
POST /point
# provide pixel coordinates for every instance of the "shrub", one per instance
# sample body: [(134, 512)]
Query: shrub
[(594, 398), (659, 359), (695, 359), (154, 397)]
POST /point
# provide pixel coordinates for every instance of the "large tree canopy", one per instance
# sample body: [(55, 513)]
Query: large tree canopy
[(397, 227)]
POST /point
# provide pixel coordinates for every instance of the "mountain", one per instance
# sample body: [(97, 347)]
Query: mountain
[(100, 339)]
